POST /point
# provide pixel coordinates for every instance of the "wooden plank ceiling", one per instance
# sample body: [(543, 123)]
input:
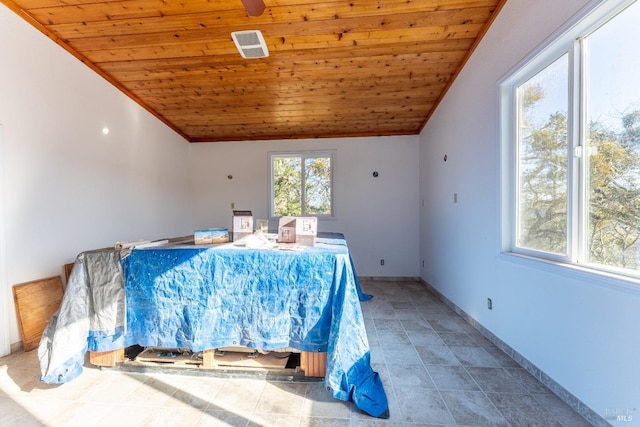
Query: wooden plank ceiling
[(336, 68)]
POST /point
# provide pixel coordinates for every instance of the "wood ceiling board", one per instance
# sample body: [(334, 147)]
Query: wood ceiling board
[(423, 47), (275, 34), (210, 21), (434, 64), (386, 62)]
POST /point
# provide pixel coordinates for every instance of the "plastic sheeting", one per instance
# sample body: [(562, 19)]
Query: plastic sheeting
[(91, 316), (209, 297)]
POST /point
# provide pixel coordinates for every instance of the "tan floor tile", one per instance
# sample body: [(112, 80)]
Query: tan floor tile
[(81, 414), (111, 387), (152, 391), (219, 418), (320, 403), (14, 414), (172, 417), (282, 398), (197, 392), (239, 394), (43, 409), (129, 416), (274, 420), (324, 422)]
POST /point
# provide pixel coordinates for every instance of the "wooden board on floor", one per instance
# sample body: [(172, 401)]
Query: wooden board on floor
[(234, 359), (168, 355), (36, 302)]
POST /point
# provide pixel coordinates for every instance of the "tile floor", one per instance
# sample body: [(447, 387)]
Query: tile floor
[(436, 368)]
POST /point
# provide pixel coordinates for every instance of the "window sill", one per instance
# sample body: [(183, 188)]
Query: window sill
[(592, 276)]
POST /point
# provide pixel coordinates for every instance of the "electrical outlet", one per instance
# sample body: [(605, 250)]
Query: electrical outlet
[(455, 197), (489, 304), (381, 262)]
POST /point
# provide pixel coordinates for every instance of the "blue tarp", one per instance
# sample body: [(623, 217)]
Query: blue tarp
[(203, 298), (209, 297)]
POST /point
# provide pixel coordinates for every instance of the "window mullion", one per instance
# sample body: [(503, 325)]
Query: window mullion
[(584, 161), (578, 174), (303, 189)]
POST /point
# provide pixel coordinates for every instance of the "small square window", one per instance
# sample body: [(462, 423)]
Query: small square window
[(302, 184)]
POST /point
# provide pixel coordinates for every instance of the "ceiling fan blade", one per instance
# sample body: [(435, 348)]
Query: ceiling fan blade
[(254, 7)]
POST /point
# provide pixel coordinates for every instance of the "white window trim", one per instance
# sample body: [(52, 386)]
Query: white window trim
[(304, 154), (564, 40)]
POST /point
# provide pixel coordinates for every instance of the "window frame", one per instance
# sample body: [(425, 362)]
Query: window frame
[(303, 155), (569, 40)]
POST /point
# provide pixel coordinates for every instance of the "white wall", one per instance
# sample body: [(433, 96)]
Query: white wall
[(379, 216), (579, 330), (68, 187)]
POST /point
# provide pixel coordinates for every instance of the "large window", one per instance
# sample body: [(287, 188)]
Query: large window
[(302, 184), (571, 145)]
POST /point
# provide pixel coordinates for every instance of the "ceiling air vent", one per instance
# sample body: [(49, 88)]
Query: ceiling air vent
[(250, 44)]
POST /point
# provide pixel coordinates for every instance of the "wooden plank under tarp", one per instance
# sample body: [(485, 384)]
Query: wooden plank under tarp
[(239, 359), (106, 358), (313, 364), (36, 302)]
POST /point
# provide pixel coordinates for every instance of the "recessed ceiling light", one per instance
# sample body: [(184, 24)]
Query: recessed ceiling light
[(105, 130)]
